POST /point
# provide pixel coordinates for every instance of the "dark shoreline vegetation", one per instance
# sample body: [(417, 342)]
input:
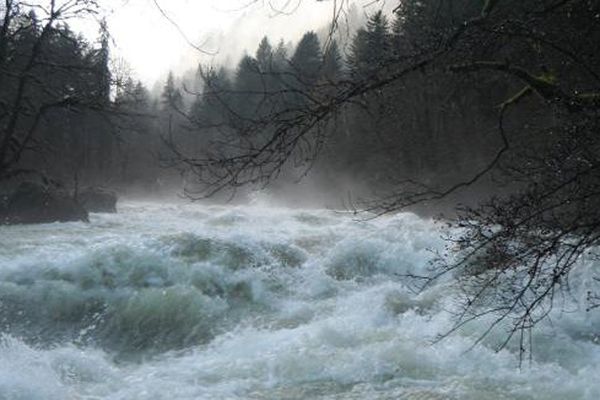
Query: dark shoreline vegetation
[(490, 109)]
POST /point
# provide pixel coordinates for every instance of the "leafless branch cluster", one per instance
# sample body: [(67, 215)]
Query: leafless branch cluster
[(286, 123), (516, 253)]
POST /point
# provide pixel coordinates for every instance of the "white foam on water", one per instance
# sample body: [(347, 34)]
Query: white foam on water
[(213, 302)]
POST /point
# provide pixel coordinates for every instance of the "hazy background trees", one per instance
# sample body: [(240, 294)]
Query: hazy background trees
[(81, 119), (426, 128), (386, 107)]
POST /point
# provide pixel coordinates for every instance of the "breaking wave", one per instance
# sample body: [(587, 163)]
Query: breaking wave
[(210, 302)]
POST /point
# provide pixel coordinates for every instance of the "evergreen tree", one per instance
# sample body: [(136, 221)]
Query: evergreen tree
[(141, 96), (171, 95), (249, 87), (281, 65), (102, 65), (307, 59), (264, 55), (101, 131), (371, 47), (332, 62), (247, 77), (280, 57), (212, 107), (398, 44)]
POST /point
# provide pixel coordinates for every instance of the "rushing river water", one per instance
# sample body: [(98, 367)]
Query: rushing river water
[(209, 302)]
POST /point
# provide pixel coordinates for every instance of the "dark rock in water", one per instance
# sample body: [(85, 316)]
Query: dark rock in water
[(33, 203), (98, 200)]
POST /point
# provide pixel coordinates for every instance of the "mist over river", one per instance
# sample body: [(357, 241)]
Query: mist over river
[(187, 301)]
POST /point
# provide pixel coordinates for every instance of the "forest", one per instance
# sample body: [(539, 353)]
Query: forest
[(110, 130)]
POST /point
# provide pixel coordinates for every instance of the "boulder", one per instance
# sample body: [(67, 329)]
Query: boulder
[(33, 203), (98, 200)]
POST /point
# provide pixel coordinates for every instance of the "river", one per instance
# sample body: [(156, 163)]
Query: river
[(188, 301)]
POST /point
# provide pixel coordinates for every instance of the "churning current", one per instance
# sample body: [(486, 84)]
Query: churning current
[(184, 301)]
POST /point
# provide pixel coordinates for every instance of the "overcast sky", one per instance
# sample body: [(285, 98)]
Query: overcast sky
[(152, 45)]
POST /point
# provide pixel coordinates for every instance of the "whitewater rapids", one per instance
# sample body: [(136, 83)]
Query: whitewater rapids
[(184, 301)]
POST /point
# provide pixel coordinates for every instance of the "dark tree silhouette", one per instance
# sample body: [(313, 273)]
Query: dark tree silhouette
[(47, 73), (307, 60)]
